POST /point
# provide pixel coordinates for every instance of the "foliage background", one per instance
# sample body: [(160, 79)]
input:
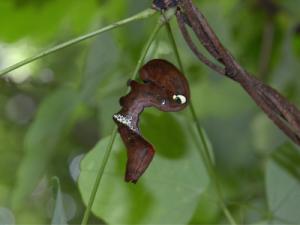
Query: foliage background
[(55, 110)]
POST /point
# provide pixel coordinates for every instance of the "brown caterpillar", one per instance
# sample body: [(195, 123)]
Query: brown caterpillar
[(165, 88)]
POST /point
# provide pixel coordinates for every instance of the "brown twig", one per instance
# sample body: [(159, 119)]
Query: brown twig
[(284, 114), (201, 57)]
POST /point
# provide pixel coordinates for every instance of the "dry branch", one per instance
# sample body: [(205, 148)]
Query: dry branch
[(284, 114)]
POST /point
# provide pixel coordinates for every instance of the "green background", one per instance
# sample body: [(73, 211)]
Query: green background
[(55, 110)]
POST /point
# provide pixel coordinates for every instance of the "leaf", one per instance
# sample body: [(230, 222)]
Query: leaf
[(286, 70), (292, 7), (207, 210), (42, 139), (106, 108), (266, 136), (59, 215), (44, 18), (231, 136), (169, 189), (283, 189), (220, 99), (289, 159), (99, 77), (101, 62)]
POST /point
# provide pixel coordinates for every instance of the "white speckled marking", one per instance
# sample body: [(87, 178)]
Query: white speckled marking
[(126, 120)]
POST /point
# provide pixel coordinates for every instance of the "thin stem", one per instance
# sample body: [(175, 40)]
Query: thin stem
[(266, 48), (142, 15), (99, 177), (175, 49), (188, 39), (205, 150), (113, 135)]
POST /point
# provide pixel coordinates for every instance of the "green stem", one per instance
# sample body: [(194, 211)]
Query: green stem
[(113, 135), (142, 15), (205, 150), (99, 177)]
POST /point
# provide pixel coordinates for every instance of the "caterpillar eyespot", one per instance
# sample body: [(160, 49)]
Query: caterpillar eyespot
[(180, 99), (161, 80)]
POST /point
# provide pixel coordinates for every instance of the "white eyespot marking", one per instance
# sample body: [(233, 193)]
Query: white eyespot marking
[(126, 120), (181, 99)]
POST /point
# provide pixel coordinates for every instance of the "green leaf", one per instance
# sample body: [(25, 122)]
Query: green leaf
[(283, 189), (266, 136), (99, 77), (44, 18), (59, 215), (106, 108), (101, 62), (41, 140), (169, 189), (289, 159), (207, 210), (221, 99), (292, 7)]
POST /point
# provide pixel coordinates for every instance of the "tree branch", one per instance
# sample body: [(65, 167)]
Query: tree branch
[(201, 57), (284, 114)]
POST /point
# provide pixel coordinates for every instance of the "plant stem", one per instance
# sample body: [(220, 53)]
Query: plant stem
[(142, 15), (205, 153), (99, 177), (113, 135), (266, 48)]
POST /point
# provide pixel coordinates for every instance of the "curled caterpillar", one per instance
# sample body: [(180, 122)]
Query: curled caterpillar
[(165, 88)]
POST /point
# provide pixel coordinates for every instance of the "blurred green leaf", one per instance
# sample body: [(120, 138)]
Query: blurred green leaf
[(288, 157), (167, 191), (43, 21), (222, 98), (101, 61), (287, 62), (292, 7), (59, 215), (207, 210), (287, 69), (283, 187), (42, 139), (266, 136), (106, 108), (231, 135), (99, 79), (9, 152)]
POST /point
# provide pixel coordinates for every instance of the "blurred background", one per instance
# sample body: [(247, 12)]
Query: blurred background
[(55, 110)]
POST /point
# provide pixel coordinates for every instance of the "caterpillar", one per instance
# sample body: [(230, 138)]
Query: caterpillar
[(165, 88)]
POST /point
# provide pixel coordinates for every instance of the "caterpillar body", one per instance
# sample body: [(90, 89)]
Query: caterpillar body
[(165, 88)]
